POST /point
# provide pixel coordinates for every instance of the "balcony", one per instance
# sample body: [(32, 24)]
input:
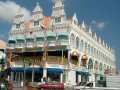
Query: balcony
[(20, 45), (51, 38), (11, 43), (63, 38), (40, 38)]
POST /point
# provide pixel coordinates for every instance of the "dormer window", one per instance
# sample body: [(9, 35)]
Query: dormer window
[(36, 23), (17, 25), (57, 19)]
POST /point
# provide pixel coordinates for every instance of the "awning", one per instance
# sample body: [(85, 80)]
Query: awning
[(51, 34), (63, 33), (29, 37), (82, 73), (21, 69), (54, 70), (11, 40), (20, 37)]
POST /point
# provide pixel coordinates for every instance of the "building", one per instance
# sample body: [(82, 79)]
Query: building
[(57, 48), (2, 56)]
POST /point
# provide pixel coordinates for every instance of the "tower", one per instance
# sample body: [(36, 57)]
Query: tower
[(58, 13), (18, 20)]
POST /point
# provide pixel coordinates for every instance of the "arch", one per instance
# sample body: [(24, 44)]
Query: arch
[(84, 60), (72, 39), (90, 64)]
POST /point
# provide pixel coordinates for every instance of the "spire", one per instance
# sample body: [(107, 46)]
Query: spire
[(75, 18), (83, 24), (37, 7), (89, 30)]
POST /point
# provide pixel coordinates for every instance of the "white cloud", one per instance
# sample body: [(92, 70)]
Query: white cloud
[(98, 24), (8, 10)]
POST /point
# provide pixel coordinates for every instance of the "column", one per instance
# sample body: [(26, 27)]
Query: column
[(61, 77), (33, 73), (44, 72), (94, 81)]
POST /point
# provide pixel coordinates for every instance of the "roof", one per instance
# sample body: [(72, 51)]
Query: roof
[(2, 44)]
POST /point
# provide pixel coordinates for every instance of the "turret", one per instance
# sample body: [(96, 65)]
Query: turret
[(37, 15), (18, 20), (58, 13)]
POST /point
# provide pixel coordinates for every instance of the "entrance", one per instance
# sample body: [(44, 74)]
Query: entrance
[(54, 74)]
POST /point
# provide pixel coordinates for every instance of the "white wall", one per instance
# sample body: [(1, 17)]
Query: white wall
[(72, 77)]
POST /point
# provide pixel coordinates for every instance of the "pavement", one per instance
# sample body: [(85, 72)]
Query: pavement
[(19, 88)]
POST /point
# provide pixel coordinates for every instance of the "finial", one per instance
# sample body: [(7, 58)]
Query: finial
[(75, 17), (83, 24), (37, 4)]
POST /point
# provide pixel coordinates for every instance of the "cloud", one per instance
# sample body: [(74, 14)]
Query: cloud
[(97, 24), (8, 10)]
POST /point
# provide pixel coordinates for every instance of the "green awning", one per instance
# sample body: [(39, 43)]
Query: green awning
[(63, 33), (11, 40), (20, 37), (51, 34), (29, 37)]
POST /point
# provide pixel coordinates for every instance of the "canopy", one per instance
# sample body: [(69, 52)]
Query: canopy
[(82, 73), (22, 69), (54, 70)]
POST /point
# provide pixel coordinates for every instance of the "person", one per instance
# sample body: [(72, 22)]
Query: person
[(45, 79)]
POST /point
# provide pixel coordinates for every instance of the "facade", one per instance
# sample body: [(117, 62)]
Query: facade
[(57, 48)]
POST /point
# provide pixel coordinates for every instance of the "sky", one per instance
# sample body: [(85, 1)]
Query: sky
[(103, 16)]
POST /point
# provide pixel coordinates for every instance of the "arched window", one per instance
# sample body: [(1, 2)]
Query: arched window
[(86, 47), (81, 45), (90, 64), (96, 65), (89, 49), (72, 40), (100, 67), (77, 42)]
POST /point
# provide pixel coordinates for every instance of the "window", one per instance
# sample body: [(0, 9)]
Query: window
[(100, 67), (90, 64), (17, 25), (77, 42), (36, 23), (58, 19), (81, 45), (72, 40)]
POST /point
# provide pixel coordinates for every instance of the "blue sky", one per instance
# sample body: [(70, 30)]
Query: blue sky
[(102, 15)]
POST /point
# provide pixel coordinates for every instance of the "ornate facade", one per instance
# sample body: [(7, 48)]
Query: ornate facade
[(57, 47)]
